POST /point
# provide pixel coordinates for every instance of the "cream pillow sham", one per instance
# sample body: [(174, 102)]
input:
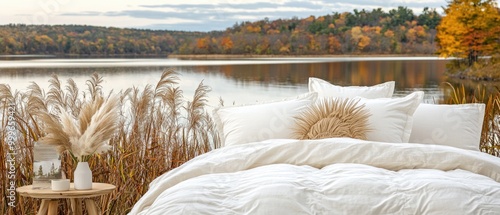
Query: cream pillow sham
[(252, 123), (326, 89), (391, 119), (451, 125)]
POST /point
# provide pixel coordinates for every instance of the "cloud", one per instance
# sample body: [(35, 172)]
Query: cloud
[(84, 13), (221, 15)]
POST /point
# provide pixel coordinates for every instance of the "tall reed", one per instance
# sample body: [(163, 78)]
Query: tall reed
[(490, 135), (158, 130)]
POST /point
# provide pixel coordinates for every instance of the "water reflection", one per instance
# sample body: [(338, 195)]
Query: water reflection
[(252, 81)]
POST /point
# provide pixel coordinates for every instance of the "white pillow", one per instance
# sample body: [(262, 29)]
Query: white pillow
[(391, 120), (452, 125), (325, 89), (245, 124)]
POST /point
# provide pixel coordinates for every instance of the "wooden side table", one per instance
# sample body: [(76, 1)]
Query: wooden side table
[(49, 197)]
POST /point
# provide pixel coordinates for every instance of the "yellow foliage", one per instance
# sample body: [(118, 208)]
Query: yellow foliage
[(411, 35), (356, 33), (273, 31), (285, 49), (363, 42), (389, 34), (470, 27), (253, 29), (359, 39)]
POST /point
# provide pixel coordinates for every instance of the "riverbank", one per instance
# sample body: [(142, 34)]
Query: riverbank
[(238, 56)]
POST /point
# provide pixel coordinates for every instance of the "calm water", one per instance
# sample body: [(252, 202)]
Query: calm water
[(240, 81)]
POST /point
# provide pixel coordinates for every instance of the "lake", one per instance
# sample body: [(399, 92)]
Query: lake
[(241, 81)]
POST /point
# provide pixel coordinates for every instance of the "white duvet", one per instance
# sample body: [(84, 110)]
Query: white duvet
[(329, 176)]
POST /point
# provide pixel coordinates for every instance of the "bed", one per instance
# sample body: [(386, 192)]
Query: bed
[(412, 158)]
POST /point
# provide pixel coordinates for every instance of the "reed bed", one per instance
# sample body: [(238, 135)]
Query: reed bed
[(158, 131), (490, 135)]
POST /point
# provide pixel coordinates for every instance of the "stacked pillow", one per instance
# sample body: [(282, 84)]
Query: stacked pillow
[(395, 120), (325, 89), (451, 125), (252, 123), (391, 118)]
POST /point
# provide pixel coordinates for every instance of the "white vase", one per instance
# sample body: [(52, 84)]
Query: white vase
[(82, 176)]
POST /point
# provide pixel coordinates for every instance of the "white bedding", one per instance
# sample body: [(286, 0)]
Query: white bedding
[(329, 176)]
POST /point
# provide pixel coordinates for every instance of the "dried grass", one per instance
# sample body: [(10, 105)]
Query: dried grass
[(490, 135), (157, 130)]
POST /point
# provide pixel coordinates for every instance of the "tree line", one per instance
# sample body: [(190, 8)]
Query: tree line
[(398, 31), (89, 40)]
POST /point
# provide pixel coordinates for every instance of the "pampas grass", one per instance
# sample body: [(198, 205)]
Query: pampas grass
[(95, 126), (157, 129), (339, 117)]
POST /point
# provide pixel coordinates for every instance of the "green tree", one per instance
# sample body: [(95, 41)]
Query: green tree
[(40, 171), (401, 16), (429, 18)]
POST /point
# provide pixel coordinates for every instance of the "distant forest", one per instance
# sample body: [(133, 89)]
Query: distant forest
[(399, 31)]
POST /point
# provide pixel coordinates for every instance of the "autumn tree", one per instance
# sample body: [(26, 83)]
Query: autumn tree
[(202, 44), (227, 44), (333, 44), (359, 40), (470, 29)]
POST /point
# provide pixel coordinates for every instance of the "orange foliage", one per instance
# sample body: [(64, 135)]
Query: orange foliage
[(389, 34), (202, 43), (420, 31), (333, 44), (366, 29), (226, 43)]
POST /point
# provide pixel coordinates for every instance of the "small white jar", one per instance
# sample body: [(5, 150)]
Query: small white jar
[(59, 184)]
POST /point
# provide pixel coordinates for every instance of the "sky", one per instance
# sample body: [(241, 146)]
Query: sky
[(189, 15)]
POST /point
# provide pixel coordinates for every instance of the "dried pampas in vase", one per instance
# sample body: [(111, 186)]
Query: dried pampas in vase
[(87, 134)]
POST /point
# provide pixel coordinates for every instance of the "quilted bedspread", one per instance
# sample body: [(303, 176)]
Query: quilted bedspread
[(329, 176)]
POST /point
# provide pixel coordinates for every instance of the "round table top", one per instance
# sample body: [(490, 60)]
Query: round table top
[(98, 189)]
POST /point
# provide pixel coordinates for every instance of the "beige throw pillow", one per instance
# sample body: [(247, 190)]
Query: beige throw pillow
[(335, 117)]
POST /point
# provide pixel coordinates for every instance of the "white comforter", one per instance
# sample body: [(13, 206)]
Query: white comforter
[(329, 176)]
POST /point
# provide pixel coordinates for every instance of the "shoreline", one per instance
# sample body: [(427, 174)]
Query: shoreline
[(200, 56), (250, 56)]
